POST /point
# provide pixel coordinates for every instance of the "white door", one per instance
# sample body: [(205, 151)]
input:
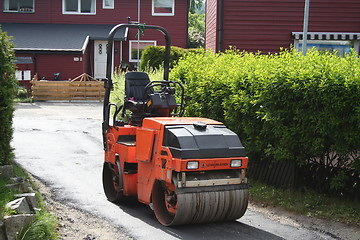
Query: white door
[(100, 59)]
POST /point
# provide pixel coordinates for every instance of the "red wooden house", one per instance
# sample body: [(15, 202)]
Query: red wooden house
[(268, 25), (69, 36)]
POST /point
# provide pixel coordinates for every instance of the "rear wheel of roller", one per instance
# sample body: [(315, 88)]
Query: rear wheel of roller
[(112, 181)]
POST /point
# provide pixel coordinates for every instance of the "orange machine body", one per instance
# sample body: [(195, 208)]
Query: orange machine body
[(144, 158)]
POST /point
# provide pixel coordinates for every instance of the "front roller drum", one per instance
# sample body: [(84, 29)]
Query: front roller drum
[(190, 208)]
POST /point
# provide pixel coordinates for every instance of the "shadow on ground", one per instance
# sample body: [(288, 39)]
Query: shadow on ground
[(224, 230)]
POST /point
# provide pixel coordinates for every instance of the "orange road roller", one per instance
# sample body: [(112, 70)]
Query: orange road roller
[(188, 170)]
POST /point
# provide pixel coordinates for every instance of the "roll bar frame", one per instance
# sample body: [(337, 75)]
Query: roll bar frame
[(108, 83)]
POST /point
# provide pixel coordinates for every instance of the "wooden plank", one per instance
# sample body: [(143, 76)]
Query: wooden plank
[(51, 84), (69, 95), (87, 98), (85, 93), (59, 83), (72, 86), (68, 88), (66, 98)]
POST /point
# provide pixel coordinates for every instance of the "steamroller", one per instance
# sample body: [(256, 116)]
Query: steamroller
[(187, 169)]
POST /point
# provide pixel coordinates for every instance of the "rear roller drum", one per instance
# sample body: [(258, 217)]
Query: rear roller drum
[(178, 209), (112, 181)]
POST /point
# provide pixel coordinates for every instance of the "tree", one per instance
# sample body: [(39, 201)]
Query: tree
[(197, 6), (196, 30), (7, 93)]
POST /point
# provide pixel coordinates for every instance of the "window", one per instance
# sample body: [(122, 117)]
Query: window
[(23, 75), (26, 6), (18, 75), (133, 53), (79, 6), (108, 4), (329, 41), (341, 47), (163, 7)]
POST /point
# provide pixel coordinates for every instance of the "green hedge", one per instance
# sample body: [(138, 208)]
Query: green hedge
[(284, 106), (7, 93), (152, 58)]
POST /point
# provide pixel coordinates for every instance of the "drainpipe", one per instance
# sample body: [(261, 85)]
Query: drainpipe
[(220, 25), (34, 63)]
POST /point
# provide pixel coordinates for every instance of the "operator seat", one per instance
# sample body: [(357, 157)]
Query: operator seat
[(135, 83)]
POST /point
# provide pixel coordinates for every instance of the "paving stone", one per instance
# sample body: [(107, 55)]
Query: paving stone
[(20, 187), (26, 187), (14, 186), (15, 223), (2, 231), (7, 171), (20, 205), (17, 180), (30, 198)]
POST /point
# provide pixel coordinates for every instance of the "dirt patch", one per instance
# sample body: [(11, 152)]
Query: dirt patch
[(76, 224), (335, 230)]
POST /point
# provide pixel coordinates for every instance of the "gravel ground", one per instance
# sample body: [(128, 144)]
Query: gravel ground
[(80, 225), (76, 224)]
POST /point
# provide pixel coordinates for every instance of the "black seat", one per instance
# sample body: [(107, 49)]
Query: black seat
[(135, 83)]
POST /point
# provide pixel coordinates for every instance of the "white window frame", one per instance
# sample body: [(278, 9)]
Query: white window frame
[(131, 42), (23, 75), (78, 12), (18, 75), (6, 7), (27, 75), (108, 7), (163, 14)]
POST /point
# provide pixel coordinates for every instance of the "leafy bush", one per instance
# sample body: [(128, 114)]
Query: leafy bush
[(7, 94), (152, 58), (284, 106)]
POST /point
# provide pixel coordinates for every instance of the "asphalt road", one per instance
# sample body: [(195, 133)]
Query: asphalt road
[(60, 143)]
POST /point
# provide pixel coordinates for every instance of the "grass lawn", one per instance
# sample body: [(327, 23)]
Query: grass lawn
[(308, 203)]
